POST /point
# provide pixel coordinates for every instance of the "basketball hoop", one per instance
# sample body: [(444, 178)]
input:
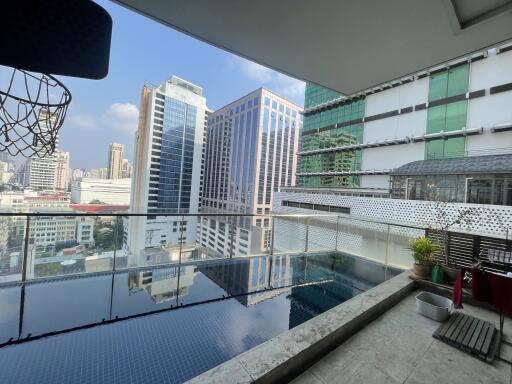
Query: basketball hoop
[(61, 37), (32, 110)]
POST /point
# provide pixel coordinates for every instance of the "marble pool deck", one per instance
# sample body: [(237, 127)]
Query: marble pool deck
[(375, 337)]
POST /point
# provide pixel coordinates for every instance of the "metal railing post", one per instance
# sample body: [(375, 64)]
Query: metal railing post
[(231, 239), (272, 237), (306, 245), (337, 231), (115, 243), (181, 238), (25, 250), (386, 256)]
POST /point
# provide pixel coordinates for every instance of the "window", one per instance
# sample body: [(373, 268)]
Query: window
[(274, 104), (436, 119), (458, 80), (449, 83), (267, 101), (456, 116), (438, 86)]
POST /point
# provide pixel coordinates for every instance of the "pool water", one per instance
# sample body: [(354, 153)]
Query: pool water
[(200, 315)]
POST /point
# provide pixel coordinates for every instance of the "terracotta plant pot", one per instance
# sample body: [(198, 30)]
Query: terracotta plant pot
[(422, 270)]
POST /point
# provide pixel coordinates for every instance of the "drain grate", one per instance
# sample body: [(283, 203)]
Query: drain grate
[(470, 334)]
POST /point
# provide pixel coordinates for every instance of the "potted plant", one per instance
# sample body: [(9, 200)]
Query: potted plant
[(422, 251)]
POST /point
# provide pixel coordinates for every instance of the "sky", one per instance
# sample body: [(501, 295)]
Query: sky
[(142, 50)]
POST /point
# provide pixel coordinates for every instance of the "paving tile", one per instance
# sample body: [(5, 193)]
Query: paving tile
[(445, 364), (344, 366), (306, 378)]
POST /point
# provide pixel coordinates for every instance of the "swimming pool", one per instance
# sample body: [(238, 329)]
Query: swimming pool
[(169, 323)]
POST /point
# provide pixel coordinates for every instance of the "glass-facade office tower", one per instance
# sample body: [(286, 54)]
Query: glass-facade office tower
[(167, 168), (251, 152)]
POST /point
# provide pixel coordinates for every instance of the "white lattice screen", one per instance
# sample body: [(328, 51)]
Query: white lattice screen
[(490, 220)]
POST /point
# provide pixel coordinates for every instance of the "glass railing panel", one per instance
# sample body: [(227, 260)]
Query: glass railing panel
[(156, 239), (399, 254), (362, 238), (289, 234), (322, 233), (70, 244), (12, 245)]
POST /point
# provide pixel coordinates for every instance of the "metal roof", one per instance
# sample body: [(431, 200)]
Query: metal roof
[(459, 165)]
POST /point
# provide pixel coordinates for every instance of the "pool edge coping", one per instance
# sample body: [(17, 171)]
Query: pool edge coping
[(289, 353)]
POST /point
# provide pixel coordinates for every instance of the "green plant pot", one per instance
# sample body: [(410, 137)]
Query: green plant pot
[(422, 270), (437, 274)]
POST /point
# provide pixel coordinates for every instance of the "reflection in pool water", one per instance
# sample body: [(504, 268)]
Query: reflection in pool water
[(229, 306)]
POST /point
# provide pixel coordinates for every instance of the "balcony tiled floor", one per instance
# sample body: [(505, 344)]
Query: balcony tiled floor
[(398, 347)]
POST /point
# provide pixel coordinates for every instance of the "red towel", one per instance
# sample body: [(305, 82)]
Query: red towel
[(501, 293), (481, 285), (487, 287), (457, 290)]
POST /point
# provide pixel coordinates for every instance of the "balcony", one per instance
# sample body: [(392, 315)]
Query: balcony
[(100, 311)]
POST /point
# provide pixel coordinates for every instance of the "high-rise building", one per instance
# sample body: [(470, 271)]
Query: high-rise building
[(126, 169), (442, 134), (167, 167), (115, 160), (97, 173), (41, 171), (62, 171), (251, 152)]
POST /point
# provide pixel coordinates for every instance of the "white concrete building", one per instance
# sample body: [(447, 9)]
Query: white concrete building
[(41, 173), (115, 160), (167, 167), (115, 192), (84, 231), (126, 169), (251, 153), (441, 134), (62, 171)]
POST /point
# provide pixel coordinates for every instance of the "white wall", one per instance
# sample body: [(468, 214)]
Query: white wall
[(375, 181), (409, 124), (494, 70), (406, 95), (105, 190), (392, 156), (484, 219)]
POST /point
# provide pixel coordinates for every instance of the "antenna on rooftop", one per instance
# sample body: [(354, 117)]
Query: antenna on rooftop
[(46, 38)]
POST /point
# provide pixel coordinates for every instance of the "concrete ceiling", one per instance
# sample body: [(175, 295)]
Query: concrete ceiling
[(345, 45)]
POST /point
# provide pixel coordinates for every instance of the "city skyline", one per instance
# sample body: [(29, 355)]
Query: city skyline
[(106, 111)]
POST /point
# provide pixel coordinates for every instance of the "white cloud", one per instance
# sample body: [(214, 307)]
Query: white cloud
[(282, 84), (122, 117), (83, 121)]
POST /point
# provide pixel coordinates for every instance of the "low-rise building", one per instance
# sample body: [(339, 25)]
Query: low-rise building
[(106, 191)]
